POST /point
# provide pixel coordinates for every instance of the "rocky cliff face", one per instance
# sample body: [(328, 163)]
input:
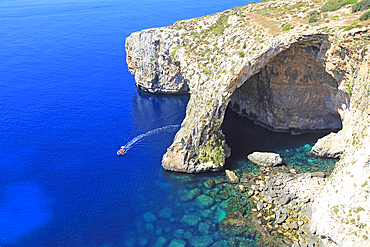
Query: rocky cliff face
[(343, 203), (269, 64), (149, 59), (296, 80)]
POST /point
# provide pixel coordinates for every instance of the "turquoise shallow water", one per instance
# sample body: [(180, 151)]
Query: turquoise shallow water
[(186, 218), (68, 103)]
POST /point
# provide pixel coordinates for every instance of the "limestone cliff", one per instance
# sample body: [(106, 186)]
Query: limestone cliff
[(267, 62), (295, 79), (343, 203)]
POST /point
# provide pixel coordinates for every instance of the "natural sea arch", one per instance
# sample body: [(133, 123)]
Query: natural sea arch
[(292, 93)]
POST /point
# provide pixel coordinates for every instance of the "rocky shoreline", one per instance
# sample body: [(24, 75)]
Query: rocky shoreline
[(282, 201), (283, 205)]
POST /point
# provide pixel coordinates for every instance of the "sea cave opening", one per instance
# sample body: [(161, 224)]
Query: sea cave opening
[(289, 104)]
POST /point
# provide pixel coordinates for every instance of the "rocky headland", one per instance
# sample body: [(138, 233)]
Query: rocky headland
[(290, 66)]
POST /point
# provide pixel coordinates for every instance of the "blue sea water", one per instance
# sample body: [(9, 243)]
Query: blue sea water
[(67, 103)]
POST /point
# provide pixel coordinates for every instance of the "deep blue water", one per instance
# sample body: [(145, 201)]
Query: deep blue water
[(67, 103)]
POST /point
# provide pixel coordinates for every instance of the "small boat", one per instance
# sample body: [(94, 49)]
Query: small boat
[(121, 151)]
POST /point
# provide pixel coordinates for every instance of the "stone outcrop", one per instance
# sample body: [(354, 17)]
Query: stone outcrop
[(307, 77), (155, 70), (231, 177), (343, 203), (265, 159), (331, 146), (282, 203)]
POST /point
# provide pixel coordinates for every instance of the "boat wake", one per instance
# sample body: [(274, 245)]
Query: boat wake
[(138, 138)]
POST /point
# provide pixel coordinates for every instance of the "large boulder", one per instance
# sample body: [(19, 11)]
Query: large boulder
[(231, 177), (265, 159), (330, 146)]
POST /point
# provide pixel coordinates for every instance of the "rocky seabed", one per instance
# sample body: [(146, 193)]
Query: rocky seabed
[(236, 209)]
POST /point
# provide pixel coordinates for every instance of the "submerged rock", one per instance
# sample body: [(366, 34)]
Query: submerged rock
[(149, 217), (190, 219), (210, 183), (179, 233), (234, 204), (205, 201), (225, 194), (202, 241), (203, 228), (265, 159), (188, 235), (233, 224), (186, 195), (177, 243), (222, 243), (161, 241), (165, 213)]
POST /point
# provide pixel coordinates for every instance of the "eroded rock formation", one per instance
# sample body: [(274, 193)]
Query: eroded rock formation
[(292, 81), (155, 71), (293, 92), (307, 78)]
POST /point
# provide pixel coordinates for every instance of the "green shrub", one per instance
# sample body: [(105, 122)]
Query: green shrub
[(174, 52), (333, 5), (221, 24), (287, 27), (347, 29), (314, 17), (360, 6), (365, 16)]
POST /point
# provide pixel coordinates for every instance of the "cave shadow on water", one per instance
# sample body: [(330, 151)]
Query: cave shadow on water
[(245, 137)]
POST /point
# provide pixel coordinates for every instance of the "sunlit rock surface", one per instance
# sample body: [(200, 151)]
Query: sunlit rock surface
[(296, 80)]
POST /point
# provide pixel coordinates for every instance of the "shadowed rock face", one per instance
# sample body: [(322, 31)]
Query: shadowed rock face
[(293, 92)]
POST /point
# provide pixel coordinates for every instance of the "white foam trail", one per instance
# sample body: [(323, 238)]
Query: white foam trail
[(128, 145)]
